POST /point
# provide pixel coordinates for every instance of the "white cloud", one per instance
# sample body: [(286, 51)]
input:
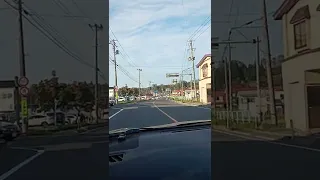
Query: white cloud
[(154, 34)]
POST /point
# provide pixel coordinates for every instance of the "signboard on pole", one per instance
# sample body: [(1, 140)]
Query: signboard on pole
[(24, 91), (24, 107), (214, 43), (23, 81), (168, 75)]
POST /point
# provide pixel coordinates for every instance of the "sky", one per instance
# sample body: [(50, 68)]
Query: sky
[(71, 29), (153, 35), (234, 13)]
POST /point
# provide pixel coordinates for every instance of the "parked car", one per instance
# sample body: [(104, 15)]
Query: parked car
[(112, 102), (121, 99), (40, 120), (9, 130), (71, 119)]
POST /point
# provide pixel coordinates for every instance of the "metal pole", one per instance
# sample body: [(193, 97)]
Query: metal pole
[(139, 84), (17, 101), (115, 69), (268, 65), (193, 69), (22, 58), (96, 74), (258, 80), (230, 78), (96, 28), (55, 112), (226, 89), (213, 94)]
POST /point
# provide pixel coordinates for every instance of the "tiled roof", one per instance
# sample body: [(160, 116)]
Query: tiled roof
[(203, 59), (285, 7), (7, 84)]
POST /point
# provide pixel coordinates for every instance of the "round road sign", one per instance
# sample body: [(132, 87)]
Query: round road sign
[(24, 91), (23, 81)]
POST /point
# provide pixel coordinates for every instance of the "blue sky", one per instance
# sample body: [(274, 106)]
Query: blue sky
[(152, 36)]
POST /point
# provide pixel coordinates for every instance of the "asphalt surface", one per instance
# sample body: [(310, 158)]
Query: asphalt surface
[(243, 157), (152, 113), (85, 157)]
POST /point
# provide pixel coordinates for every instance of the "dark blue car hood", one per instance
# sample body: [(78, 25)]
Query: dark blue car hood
[(162, 155)]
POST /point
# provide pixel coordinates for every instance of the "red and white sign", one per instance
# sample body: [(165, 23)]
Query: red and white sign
[(24, 91), (23, 81)]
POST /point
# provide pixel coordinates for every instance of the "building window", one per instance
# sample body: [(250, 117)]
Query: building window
[(205, 70), (300, 35)]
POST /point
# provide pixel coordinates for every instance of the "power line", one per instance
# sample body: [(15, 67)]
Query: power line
[(53, 39), (61, 6), (133, 64), (205, 22)]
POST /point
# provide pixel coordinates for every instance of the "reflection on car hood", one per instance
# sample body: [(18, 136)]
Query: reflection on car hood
[(172, 154)]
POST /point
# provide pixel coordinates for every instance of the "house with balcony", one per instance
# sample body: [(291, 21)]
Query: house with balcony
[(204, 67), (301, 64)]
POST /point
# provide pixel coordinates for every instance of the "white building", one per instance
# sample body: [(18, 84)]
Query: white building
[(205, 78), (111, 92), (7, 96), (301, 65)]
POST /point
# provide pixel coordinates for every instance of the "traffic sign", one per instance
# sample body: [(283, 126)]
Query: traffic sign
[(23, 81), (24, 107), (24, 91)]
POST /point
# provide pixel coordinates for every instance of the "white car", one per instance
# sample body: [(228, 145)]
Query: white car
[(71, 118), (40, 120), (121, 99)]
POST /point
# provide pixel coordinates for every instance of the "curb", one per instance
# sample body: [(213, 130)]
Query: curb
[(247, 134), (69, 132)]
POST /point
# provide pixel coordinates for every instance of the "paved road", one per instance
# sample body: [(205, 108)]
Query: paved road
[(84, 156), (235, 157), (152, 113)]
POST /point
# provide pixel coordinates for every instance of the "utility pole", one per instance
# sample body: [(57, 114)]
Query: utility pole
[(226, 88), (230, 76), (268, 65), (115, 52), (22, 60), (192, 58), (258, 80), (139, 84), (96, 28)]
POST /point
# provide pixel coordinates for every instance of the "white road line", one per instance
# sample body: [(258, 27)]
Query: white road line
[(175, 121), (17, 167), (268, 141), (98, 129), (115, 113)]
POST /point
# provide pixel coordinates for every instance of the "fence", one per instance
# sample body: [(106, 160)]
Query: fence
[(246, 117)]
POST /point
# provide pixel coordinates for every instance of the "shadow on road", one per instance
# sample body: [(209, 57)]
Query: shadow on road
[(251, 160)]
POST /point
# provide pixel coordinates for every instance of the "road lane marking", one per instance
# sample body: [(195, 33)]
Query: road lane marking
[(268, 140), (115, 113), (175, 121), (17, 167), (131, 107)]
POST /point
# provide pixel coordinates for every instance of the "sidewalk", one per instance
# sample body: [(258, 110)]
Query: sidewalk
[(193, 104), (261, 134), (68, 131)]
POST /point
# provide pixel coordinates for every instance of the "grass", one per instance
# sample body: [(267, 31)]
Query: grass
[(249, 126)]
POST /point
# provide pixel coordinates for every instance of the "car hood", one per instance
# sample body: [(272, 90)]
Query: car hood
[(170, 154)]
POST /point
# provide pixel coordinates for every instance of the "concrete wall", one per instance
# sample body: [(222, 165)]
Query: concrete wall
[(204, 80), (294, 69)]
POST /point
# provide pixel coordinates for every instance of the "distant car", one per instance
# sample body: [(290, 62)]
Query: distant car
[(121, 99), (132, 98), (71, 119)]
